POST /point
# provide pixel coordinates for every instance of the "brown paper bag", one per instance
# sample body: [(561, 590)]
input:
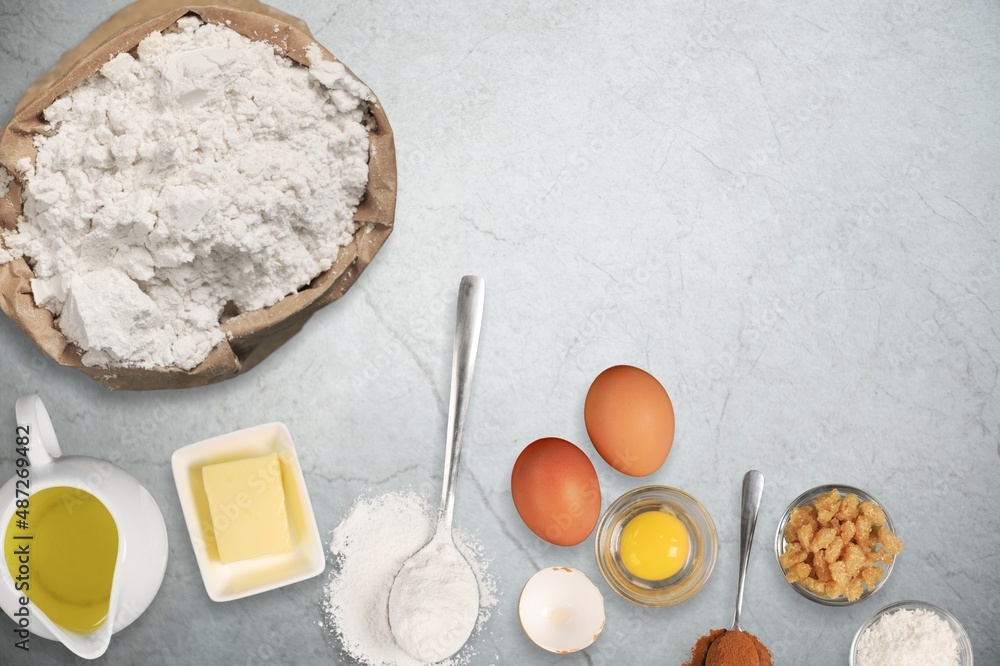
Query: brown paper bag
[(250, 336)]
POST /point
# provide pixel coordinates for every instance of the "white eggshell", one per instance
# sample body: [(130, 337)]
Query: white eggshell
[(561, 610)]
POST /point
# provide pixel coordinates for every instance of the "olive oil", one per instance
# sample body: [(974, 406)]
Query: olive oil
[(72, 553)]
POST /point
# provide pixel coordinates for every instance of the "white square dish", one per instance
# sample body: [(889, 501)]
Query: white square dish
[(226, 582)]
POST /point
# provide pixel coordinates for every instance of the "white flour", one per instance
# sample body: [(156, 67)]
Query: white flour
[(370, 545), (909, 637), (208, 171), (434, 603)]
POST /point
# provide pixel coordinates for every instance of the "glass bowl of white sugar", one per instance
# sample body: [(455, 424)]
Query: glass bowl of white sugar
[(911, 632)]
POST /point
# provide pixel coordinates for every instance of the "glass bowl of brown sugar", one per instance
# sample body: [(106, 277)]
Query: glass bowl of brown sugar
[(864, 554)]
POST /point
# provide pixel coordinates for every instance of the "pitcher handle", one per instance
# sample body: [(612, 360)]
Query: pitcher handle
[(43, 446)]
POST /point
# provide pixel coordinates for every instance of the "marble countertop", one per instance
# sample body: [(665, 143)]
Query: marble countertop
[(787, 214)]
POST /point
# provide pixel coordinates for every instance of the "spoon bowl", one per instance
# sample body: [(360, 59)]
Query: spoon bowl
[(434, 601)]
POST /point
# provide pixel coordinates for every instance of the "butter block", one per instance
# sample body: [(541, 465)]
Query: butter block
[(247, 503)]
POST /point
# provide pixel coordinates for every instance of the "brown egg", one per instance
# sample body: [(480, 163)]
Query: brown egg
[(630, 420), (555, 491)]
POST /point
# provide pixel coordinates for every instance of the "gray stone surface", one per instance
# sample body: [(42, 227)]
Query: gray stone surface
[(788, 214)]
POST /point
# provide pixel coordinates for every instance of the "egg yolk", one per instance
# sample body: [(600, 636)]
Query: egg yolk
[(654, 545)]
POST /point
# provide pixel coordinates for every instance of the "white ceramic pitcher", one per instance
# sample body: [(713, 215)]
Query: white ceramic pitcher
[(142, 534)]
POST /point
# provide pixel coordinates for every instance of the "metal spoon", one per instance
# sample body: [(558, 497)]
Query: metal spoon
[(736, 638), (431, 618), (753, 488)]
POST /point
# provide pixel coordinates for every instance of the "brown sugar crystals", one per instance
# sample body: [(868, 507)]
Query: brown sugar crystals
[(834, 546)]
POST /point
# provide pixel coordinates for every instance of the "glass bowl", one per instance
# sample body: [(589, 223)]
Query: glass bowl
[(964, 645), (701, 559), (806, 498)]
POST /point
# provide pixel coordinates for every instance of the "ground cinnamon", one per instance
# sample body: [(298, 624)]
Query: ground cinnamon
[(700, 650), (699, 653), (733, 648), (762, 652)]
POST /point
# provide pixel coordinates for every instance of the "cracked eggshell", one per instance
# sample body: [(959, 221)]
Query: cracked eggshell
[(560, 610)]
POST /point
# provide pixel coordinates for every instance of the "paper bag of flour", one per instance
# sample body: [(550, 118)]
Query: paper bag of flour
[(251, 336)]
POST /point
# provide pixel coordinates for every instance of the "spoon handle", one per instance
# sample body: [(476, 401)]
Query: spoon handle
[(471, 293), (753, 488)]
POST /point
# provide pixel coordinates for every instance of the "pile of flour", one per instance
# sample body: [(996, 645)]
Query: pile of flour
[(206, 172), (369, 546)]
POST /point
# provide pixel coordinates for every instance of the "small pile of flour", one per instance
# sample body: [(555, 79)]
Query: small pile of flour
[(205, 172), (370, 545)]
